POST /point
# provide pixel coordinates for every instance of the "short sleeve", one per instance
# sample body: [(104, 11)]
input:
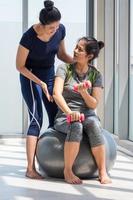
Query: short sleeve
[(26, 41), (61, 71), (63, 32), (98, 82)]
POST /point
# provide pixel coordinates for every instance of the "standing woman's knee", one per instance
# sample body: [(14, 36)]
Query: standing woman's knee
[(75, 132), (35, 127)]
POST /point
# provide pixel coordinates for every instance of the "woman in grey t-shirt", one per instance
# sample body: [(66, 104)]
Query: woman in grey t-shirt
[(82, 101)]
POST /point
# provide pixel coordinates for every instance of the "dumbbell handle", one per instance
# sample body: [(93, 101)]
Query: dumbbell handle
[(69, 118)]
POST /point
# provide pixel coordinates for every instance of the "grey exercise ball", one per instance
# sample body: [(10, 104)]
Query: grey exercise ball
[(50, 155)]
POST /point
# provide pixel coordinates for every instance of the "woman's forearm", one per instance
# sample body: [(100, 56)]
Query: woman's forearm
[(28, 74), (60, 101), (66, 58), (90, 101)]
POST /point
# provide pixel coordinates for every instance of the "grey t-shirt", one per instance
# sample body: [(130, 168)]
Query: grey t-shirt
[(74, 99)]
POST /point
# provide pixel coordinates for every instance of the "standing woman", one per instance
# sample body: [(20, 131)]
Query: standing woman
[(35, 62)]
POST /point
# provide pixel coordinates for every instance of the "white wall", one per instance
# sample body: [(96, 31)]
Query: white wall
[(10, 97)]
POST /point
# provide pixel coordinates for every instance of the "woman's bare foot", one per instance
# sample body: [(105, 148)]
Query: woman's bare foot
[(33, 174), (71, 178), (104, 178)]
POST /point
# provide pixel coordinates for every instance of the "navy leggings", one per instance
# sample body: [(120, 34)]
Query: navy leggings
[(33, 96)]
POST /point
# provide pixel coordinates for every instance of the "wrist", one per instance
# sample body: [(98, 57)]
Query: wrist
[(84, 92), (68, 112)]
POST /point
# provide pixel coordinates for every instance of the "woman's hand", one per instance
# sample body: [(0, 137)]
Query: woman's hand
[(45, 90), (81, 88), (75, 116)]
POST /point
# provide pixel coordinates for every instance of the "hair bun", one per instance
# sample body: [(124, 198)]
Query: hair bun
[(101, 44), (48, 5)]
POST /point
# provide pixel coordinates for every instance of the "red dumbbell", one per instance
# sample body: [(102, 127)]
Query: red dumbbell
[(86, 84), (69, 118)]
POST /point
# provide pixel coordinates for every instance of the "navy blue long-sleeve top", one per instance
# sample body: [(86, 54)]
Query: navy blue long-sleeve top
[(41, 54)]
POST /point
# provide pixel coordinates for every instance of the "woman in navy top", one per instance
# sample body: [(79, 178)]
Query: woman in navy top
[(35, 62)]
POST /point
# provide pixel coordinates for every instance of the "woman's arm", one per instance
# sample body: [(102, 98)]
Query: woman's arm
[(62, 55), (60, 101), (57, 95), (21, 57), (91, 100)]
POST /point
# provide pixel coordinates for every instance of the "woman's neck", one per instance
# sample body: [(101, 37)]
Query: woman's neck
[(40, 29), (82, 68), (41, 33)]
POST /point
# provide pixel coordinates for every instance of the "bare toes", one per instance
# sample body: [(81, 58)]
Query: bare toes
[(33, 175), (71, 178)]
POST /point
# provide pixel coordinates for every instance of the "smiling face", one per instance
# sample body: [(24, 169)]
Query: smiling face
[(50, 29), (80, 54)]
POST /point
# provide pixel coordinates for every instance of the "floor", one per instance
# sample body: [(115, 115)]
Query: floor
[(15, 186)]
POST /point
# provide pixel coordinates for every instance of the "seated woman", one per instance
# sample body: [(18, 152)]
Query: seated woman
[(82, 101)]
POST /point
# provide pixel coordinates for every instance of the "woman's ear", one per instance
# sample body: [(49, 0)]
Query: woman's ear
[(90, 56)]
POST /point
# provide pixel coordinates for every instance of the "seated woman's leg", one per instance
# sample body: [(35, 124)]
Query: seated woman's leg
[(92, 128), (74, 133)]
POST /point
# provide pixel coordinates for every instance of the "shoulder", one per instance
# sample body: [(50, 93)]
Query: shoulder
[(61, 31), (95, 71), (61, 27), (62, 66), (96, 77), (61, 71), (94, 74), (30, 32), (27, 38), (93, 68)]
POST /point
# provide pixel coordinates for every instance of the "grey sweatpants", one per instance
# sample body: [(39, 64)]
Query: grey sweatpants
[(91, 126)]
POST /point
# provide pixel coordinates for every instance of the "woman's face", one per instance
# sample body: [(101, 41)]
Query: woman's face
[(80, 54), (51, 28)]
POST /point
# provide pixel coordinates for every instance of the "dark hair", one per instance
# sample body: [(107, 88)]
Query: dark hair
[(92, 46), (49, 13)]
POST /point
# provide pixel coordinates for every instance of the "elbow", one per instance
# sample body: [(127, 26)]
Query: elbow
[(94, 105), (60, 57), (56, 96), (19, 68)]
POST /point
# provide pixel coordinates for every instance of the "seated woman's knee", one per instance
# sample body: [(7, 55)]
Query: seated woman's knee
[(94, 131), (75, 132), (92, 123)]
